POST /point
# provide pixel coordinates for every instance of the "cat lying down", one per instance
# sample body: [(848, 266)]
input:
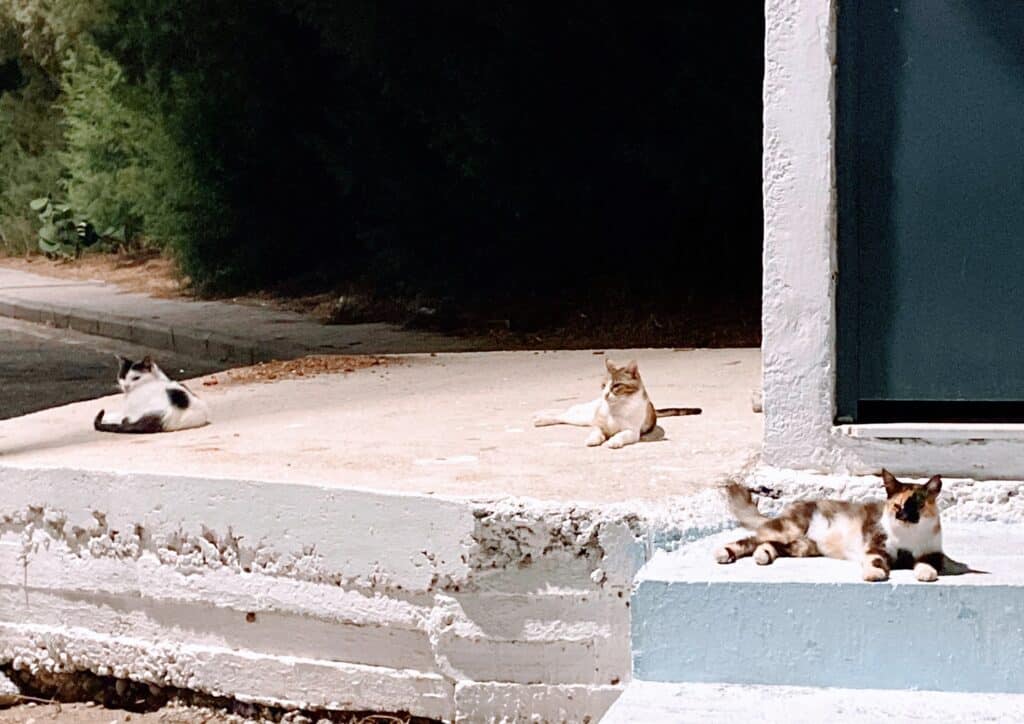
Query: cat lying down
[(153, 402), (903, 531), (621, 415)]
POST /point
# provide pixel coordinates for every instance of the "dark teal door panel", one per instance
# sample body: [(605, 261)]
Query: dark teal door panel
[(930, 151)]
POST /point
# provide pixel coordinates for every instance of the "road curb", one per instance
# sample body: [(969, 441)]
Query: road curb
[(191, 342)]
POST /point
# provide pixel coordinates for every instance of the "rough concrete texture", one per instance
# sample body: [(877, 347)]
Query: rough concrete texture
[(814, 622), (238, 333), (647, 702), (799, 233), (455, 424)]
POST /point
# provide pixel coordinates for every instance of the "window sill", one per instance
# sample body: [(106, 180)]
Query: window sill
[(933, 431)]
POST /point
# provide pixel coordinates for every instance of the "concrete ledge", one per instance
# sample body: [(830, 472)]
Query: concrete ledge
[(647, 702), (454, 609), (812, 622)]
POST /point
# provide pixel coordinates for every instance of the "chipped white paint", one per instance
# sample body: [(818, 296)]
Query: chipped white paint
[(447, 608), (800, 272)]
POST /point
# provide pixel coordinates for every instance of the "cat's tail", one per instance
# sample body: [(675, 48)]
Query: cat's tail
[(741, 503), (144, 425), (956, 568), (104, 426), (678, 411)]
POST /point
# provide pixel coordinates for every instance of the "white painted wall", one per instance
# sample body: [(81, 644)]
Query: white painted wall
[(800, 277)]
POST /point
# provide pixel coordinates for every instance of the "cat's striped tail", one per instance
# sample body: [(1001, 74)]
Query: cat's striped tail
[(678, 411), (743, 507)]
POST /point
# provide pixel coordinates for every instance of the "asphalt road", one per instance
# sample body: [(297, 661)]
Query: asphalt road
[(44, 367)]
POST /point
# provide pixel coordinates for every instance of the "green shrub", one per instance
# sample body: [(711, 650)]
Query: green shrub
[(63, 232), (123, 170)]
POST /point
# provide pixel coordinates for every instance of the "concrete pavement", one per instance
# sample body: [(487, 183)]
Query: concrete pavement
[(456, 425), (214, 330)]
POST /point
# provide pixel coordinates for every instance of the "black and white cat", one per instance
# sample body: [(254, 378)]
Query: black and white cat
[(153, 402)]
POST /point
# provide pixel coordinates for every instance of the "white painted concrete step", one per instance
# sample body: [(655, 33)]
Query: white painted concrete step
[(813, 622), (646, 702)]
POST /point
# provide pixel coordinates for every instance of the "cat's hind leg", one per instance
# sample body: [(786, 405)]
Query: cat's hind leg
[(799, 548), (732, 552), (581, 415)]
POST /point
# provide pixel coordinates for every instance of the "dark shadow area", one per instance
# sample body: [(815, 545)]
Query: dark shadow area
[(871, 61), (534, 165)]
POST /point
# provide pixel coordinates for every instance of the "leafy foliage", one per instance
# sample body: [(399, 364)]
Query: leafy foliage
[(465, 150), (61, 234), (122, 169)]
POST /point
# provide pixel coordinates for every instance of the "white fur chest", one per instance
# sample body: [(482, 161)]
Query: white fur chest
[(918, 539), (619, 415)]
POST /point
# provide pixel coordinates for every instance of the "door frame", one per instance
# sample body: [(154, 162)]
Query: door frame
[(801, 260)]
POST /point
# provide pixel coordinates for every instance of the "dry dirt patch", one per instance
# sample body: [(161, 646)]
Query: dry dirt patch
[(147, 273), (309, 366)]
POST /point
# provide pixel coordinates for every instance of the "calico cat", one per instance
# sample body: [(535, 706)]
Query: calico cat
[(621, 414), (153, 402), (904, 531)]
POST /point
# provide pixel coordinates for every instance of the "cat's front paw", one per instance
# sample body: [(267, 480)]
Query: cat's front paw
[(874, 574), (616, 443), (724, 555), (925, 573), (595, 438), (765, 554)]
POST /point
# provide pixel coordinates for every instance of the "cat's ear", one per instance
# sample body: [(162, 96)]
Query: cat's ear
[(631, 368), (892, 485), (125, 365), (934, 485), (609, 365), (146, 363)]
